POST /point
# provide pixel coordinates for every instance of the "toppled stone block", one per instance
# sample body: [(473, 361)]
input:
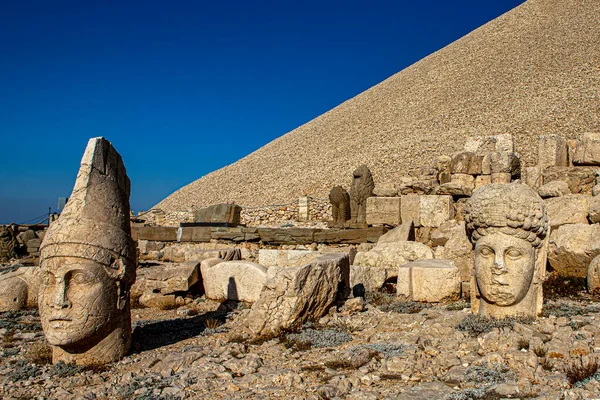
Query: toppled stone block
[(402, 233), (533, 177), (365, 278), (466, 163), (482, 180), (166, 278), (579, 179), (219, 213), (417, 186), (435, 210), (393, 254), (349, 250), (410, 209), (159, 301), (286, 258), (385, 191), (19, 288), (569, 209), (552, 151), (429, 281), (572, 248), (234, 280), (456, 189), (383, 211), (594, 210), (593, 276), (554, 189), (487, 144), (501, 161), (297, 295), (587, 151)]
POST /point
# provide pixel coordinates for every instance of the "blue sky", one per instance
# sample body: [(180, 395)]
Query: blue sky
[(184, 88)]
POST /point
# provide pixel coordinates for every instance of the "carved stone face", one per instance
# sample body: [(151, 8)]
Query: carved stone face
[(77, 301), (504, 268)]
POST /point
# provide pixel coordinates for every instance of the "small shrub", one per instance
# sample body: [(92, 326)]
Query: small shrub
[(458, 305), (211, 323), (568, 310), (492, 374), (320, 338), (23, 370), (378, 298), (540, 351), (387, 350), (40, 353), (556, 286), (404, 307), (523, 344), (578, 371), (475, 324), (547, 364)]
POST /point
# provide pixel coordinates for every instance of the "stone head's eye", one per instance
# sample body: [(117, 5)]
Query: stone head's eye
[(81, 278), (513, 253), (486, 251)]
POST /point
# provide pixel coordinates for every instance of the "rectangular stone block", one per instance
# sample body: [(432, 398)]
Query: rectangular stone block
[(194, 234), (410, 209), (486, 144), (579, 179), (569, 209), (338, 236), (383, 211), (228, 234), (219, 213), (286, 235), (428, 281), (501, 161), (466, 163), (587, 151), (303, 208), (156, 233), (552, 151), (533, 177), (434, 210), (501, 177), (482, 180)]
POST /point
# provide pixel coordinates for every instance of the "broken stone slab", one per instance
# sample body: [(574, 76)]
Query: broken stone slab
[(382, 190), (552, 151), (402, 233), (297, 295), (234, 280), (572, 248), (166, 278), (383, 211), (435, 210), (429, 281), (466, 163), (532, 177), (155, 233), (184, 253), (456, 189), (554, 189), (505, 162), (587, 151), (370, 279), (579, 179), (569, 209), (393, 254), (19, 288), (410, 209), (219, 213), (417, 186), (285, 258), (349, 250), (593, 276)]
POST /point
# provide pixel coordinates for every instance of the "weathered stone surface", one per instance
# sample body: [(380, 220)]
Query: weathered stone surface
[(569, 209), (429, 281), (579, 179), (410, 209), (26, 236), (587, 151), (482, 180), (501, 177), (487, 144), (505, 162), (508, 225), (234, 280), (466, 163), (417, 186), (435, 210), (349, 250), (194, 234), (444, 169), (222, 234), (554, 189), (183, 253), (158, 300), (456, 246), (19, 288), (225, 213), (532, 177), (340, 204), (361, 189), (367, 278), (286, 258), (8, 243), (552, 151), (383, 211), (457, 189), (393, 254), (88, 264), (299, 294), (572, 248), (594, 210), (166, 278), (385, 191), (402, 233), (593, 276), (155, 233)]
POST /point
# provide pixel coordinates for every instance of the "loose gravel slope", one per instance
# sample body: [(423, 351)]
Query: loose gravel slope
[(534, 70)]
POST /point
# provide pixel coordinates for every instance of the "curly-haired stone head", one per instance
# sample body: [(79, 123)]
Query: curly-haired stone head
[(509, 226)]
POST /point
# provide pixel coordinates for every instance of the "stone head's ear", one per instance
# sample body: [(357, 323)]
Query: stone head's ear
[(118, 272)]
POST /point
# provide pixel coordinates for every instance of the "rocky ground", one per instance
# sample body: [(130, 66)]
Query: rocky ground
[(390, 350)]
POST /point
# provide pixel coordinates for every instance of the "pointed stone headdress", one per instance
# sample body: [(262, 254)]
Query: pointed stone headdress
[(94, 224)]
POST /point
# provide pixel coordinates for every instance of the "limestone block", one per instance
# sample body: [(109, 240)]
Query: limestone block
[(435, 210), (429, 281), (596, 190), (533, 177), (456, 246), (393, 254), (234, 280), (370, 279), (554, 189), (572, 248), (579, 179), (501, 161), (268, 257), (383, 211), (465, 179), (166, 278), (184, 252), (404, 232), (486, 144), (26, 236), (594, 211), (552, 151), (457, 189), (482, 180), (593, 276), (459, 209), (410, 209), (293, 258), (466, 163), (297, 295), (569, 209), (382, 190), (501, 177), (158, 301), (19, 288), (349, 250), (443, 165), (303, 208), (587, 151), (219, 213), (417, 186)]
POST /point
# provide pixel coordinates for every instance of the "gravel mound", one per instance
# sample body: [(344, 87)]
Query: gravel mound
[(534, 70)]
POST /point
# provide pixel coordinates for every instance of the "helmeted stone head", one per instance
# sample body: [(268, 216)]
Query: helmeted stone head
[(509, 226), (88, 262)]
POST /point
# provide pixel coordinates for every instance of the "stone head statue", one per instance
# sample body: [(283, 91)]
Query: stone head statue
[(88, 262), (361, 189), (509, 227)]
